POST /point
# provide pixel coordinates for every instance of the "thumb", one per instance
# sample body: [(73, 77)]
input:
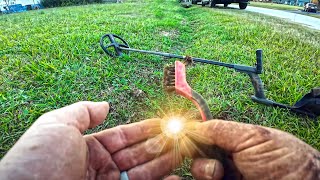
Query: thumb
[(230, 136), (207, 169), (81, 115), (172, 177)]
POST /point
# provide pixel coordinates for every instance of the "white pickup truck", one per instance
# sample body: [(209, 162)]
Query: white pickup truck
[(242, 3)]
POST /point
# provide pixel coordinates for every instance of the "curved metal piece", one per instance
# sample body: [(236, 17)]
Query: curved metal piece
[(257, 85), (113, 44), (202, 105)]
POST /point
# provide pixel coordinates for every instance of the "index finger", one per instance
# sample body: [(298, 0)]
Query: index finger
[(119, 137)]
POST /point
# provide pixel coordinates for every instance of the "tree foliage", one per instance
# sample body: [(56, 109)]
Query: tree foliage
[(57, 3)]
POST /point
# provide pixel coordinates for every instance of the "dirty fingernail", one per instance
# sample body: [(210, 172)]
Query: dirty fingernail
[(209, 169)]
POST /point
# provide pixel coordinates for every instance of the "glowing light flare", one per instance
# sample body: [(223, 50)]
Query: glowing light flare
[(178, 135), (173, 127)]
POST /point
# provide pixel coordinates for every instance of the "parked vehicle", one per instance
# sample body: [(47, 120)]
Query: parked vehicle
[(242, 3), (310, 7), (15, 8), (185, 3), (36, 6)]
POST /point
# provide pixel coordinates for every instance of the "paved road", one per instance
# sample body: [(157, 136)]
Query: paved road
[(308, 21)]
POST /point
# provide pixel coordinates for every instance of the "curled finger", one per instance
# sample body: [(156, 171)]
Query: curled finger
[(123, 136), (157, 168), (141, 153)]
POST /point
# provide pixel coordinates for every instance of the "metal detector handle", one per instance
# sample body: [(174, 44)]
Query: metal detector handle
[(255, 79), (259, 66), (259, 95), (251, 69)]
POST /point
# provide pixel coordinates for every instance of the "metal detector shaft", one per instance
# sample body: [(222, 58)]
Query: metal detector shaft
[(206, 61), (124, 46), (154, 52)]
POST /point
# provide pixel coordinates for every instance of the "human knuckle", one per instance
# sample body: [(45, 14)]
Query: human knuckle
[(261, 132)]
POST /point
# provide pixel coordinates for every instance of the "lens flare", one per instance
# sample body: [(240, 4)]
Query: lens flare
[(174, 126), (176, 133)]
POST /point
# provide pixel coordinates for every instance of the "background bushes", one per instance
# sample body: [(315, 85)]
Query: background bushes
[(57, 3)]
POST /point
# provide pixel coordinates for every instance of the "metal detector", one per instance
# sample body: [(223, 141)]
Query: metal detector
[(309, 105)]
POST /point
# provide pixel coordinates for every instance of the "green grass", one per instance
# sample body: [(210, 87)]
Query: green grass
[(275, 6), (313, 15), (51, 58)]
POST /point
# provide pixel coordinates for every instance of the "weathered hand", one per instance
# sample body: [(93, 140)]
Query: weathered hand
[(54, 148), (257, 152)]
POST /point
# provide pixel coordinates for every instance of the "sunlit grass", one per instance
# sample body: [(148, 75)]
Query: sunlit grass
[(51, 58)]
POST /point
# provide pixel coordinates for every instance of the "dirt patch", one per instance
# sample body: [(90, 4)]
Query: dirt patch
[(129, 15), (170, 34)]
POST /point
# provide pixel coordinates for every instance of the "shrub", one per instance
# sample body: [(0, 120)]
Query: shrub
[(57, 3)]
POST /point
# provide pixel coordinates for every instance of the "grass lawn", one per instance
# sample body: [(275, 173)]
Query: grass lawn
[(312, 14), (275, 6), (51, 58)]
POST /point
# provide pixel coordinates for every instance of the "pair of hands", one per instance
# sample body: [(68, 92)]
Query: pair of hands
[(54, 148)]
